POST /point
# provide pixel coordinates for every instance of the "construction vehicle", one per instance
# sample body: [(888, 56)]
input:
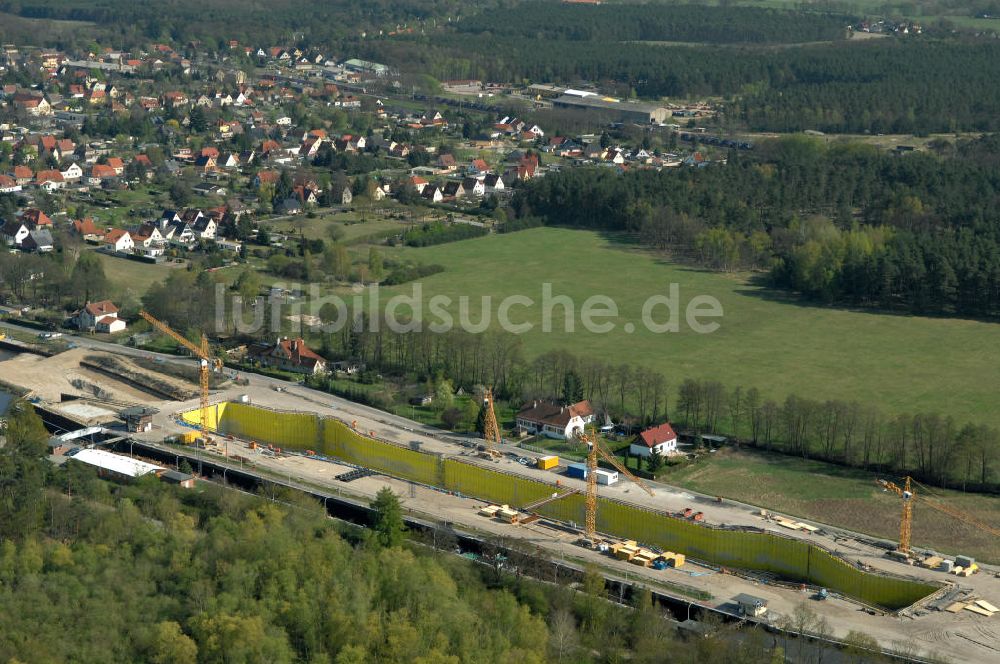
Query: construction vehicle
[(595, 450), (906, 492), (207, 363), (491, 430)]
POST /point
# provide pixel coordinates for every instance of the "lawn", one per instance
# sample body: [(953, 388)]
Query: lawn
[(840, 497), (901, 363), (317, 228), (134, 276)]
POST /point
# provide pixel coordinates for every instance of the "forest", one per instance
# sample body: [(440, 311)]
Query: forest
[(129, 24), (92, 571), (889, 85), (657, 22), (838, 222)]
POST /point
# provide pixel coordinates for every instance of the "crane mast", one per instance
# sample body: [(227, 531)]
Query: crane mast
[(908, 495), (491, 429), (206, 364), (594, 450)]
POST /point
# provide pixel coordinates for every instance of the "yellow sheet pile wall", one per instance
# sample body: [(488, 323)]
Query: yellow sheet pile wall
[(793, 559)]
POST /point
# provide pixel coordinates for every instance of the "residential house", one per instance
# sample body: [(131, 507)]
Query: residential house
[(117, 164), (100, 317), (14, 232), (474, 187), (87, 230), (228, 160), (101, 173), (119, 241), (554, 420), (35, 218), (418, 183), (432, 118), (477, 167), (291, 205), (72, 173), (205, 228), (341, 192), (39, 239), (446, 163), (266, 177), (453, 190), (23, 175), (49, 180), (493, 183), (35, 106), (288, 355), (180, 233), (432, 193), (8, 185), (206, 164), (659, 440)]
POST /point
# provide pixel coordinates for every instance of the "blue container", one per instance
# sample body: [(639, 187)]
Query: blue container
[(577, 470)]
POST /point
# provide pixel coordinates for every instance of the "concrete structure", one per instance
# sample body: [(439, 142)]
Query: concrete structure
[(138, 418), (620, 111)]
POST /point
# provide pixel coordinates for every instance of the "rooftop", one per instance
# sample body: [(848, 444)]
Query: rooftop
[(115, 463)]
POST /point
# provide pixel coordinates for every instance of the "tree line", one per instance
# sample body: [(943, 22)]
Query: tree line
[(930, 446)]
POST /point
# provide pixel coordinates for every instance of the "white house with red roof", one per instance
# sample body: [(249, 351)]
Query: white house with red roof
[(119, 240), (660, 439), (553, 419), (100, 316)]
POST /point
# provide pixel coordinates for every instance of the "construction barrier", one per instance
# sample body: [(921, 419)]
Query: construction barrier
[(790, 558)]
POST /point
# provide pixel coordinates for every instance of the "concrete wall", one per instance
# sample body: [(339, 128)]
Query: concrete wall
[(792, 559)]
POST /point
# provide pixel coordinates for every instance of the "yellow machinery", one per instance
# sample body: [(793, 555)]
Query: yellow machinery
[(595, 449), (208, 363), (906, 521), (491, 430)]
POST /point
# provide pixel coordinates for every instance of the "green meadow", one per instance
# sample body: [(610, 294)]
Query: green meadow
[(903, 364)]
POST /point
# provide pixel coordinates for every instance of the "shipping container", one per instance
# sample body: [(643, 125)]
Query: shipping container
[(964, 561), (947, 565), (606, 476), (189, 437), (577, 470), (547, 462)]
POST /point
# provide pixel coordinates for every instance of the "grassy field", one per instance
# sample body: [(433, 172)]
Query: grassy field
[(902, 363), (133, 276), (840, 497)]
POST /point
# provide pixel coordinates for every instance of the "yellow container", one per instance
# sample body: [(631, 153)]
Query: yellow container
[(189, 437), (548, 462), (678, 560)]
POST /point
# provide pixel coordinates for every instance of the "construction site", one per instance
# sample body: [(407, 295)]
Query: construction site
[(722, 555)]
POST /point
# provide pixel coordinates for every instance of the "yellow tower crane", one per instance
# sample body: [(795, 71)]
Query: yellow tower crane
[(596, 449), (908, 495), (491, 430), (207, 364)]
